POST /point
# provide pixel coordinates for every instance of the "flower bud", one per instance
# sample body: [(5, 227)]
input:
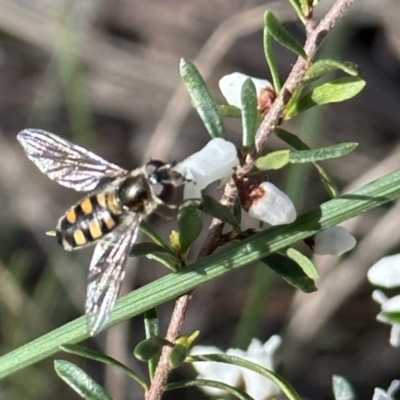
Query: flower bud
[(214, 161), (386, 272), (333, 241), (231, 88), (271, 205)]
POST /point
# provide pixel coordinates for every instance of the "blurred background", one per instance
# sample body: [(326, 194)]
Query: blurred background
[(104, 74)]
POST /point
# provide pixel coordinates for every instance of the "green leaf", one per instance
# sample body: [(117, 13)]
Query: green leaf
[(323, 67), (297, 7), (241, 395), (83, 351), (303, 262), (229, 111), (274, 160), (201, 99), (80, 381), (281, 35), (249, 113), (331, 92), (269, 56), (393, 316), (324, 153), (285, 387), (225, 261), (152, 329), (342, 389), (290, 271), (294, 141), (178, 355), (328, 183), (146, 248), (149, 348), (190, 225), (217, 210)]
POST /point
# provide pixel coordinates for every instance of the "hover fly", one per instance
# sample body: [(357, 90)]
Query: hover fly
[(109, 215)]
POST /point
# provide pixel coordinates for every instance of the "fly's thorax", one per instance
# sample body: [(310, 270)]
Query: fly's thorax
[(88, 221), (133, 193)]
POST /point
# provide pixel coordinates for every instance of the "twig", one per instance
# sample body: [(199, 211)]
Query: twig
[(271, 121)]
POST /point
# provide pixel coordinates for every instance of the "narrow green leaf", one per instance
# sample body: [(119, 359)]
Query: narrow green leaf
[(95, 355), (303, 262), (297, 7), (229, 111), (342, 389), (172, 264), (80, 381), (274, 160), (281, 35), (331, 92), (190, 225), (201, 99), (324, 153), (294, 141), (291, 139), (269, 56), (285, 387), (148, 231), (146, 248), (152, 328), (323, 67), (249, 113), (290, 271), (217, 210), (225, 261), (208, 383), (328, 183)]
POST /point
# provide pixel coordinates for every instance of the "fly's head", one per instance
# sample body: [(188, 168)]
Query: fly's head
[(163, 179)]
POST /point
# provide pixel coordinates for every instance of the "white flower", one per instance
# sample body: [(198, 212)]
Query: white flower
[(388, 306), (231, 87), (380, 394), (333, 241), (257, 386), (386, 272), (271, 205), (216, 160)]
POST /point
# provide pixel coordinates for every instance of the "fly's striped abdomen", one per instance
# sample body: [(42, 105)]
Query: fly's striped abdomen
[(89, 220)]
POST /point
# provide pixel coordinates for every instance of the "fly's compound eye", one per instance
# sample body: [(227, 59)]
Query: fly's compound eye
[(162, 179), (162, 190)]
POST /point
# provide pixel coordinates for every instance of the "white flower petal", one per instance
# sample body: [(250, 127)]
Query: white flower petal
[(216, 371), (386, 272), (395, 335), (257, 386), (214, 161), (393, 387), (392, 304), (379, 296), (231, 87), (380, 394), (272, 206), (333, 241)]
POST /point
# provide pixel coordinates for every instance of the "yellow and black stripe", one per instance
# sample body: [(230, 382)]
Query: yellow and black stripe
[(88, 221)]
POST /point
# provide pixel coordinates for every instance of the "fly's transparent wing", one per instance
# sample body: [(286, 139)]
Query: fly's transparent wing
[(107, 270), (64, 162)]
